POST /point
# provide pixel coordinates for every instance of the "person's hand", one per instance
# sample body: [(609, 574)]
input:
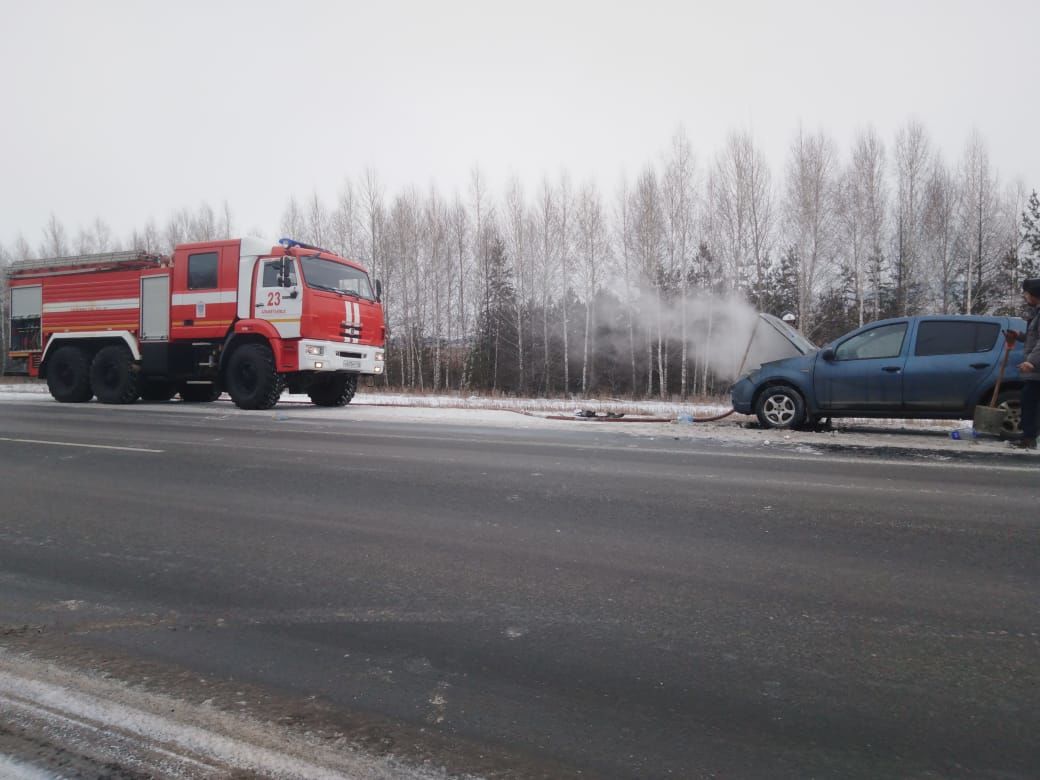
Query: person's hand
[(1010, 337), (1026, 367)]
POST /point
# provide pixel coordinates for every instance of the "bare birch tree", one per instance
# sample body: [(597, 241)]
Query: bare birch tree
[(227, 221), (868, 193), (317, 221), (679, 209), (547, 227), (344, 223), (913, 155), (293, 224), (592, 248), (55, 243), (459, 234), (941, 207), (810, 213), (624, 252), (564, 240), (978, 219), (518, 231), (743, 200), (648, 231), (5, 337)]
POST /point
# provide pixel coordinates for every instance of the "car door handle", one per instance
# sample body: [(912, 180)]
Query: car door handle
[(980, 365), (892, 369)]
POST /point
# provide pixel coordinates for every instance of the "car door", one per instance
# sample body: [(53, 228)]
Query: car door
[(863, 371), (950, 361)]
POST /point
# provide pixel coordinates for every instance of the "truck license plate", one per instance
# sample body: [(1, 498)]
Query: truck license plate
[(352, 364)]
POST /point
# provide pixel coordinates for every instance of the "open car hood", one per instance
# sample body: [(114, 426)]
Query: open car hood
[(773, 339)]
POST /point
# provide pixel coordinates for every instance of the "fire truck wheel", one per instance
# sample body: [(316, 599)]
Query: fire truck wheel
[(157, 390), (251, 379), (199, 394), (114, 377), (68, 375), (335, 390)]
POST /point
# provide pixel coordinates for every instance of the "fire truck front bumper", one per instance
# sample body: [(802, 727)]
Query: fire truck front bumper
[(337, 356)]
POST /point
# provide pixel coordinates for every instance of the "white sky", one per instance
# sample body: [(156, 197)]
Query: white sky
[(126, 110)]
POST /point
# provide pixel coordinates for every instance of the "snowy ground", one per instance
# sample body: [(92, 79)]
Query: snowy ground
[(60, 713), (932, 436)]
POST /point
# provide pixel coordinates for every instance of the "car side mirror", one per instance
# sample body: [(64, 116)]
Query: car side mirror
[(827, 354), (379, 290)]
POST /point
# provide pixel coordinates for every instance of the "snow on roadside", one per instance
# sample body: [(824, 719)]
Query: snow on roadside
[(925, 435), (154, 734)]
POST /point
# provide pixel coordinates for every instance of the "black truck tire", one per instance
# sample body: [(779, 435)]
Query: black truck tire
[(68, 375), (114, 377), (251, 379), (333, 390)]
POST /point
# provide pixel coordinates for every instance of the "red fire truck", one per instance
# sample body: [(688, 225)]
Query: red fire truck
[(239, 315)]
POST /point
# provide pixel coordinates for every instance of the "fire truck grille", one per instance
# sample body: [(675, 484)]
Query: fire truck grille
[(355, 355)]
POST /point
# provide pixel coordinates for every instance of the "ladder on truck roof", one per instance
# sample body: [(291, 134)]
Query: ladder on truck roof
[(130, 260)]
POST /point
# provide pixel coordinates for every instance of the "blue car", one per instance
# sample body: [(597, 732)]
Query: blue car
[(936, 367)]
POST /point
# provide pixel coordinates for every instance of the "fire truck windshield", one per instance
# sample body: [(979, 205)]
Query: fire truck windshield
[(336, 277)]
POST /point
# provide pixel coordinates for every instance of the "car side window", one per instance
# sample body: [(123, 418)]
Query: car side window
[(883, 342), (955, 338)]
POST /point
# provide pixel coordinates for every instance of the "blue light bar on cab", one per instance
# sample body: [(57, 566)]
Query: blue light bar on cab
[(289, 243)]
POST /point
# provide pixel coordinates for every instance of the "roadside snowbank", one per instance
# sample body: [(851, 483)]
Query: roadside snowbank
[(933, 436)]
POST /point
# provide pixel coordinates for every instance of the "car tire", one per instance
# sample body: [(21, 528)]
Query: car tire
[(68, 376), (335, 390), (114, 377), (251, 379), (780, 407), (1011, 402)]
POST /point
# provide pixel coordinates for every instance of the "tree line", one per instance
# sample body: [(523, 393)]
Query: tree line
[(563, 289)]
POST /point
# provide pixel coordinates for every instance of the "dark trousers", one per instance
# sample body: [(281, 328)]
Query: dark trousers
[(1030, 409)]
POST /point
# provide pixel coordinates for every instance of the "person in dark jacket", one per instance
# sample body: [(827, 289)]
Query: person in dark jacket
[(1030, 367)]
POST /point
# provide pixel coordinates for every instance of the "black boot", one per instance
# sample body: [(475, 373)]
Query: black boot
[(1024, 444)]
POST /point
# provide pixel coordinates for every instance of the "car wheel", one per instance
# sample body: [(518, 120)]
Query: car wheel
[(1011, 402), (780, 407)]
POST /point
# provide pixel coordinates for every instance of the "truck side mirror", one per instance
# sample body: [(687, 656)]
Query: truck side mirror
[(284, 273), (827, 354), (379, 290)]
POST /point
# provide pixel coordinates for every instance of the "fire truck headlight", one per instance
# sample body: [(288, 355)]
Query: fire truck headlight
[(319, 364), (315, 350), (379, 357), (377, 369)]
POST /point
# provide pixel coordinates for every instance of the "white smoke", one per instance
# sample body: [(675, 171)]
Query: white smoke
[(724, 332)]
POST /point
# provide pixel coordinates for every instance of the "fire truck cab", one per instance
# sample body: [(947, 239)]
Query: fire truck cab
[(242, 316)]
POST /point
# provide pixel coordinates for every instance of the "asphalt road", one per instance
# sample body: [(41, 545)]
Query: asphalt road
[(535, 603)]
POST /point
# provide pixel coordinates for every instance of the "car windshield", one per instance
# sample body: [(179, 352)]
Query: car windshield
[(335, 277)]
